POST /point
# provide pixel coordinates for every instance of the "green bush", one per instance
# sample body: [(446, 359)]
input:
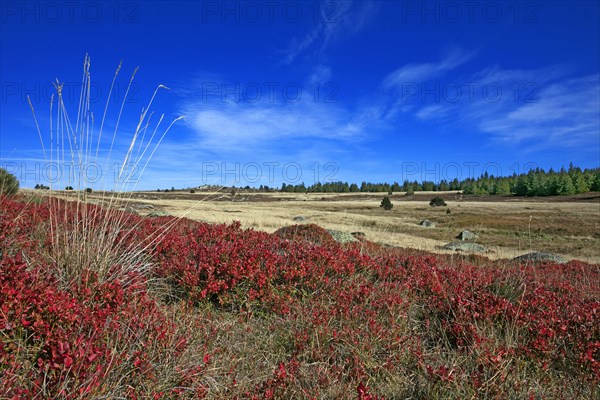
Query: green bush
[(69, 188), (8, 183), (88, 190), (386, 204), (437, 202), (192, 191)]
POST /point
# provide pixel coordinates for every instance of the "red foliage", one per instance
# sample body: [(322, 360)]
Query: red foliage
[(357, 297)]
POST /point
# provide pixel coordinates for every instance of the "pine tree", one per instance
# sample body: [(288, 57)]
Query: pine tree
[(503, 187), (580, 184), (565, 185), (596, 182), (386, 204)]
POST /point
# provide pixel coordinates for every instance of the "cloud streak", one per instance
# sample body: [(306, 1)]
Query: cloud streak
[(336, 20), (238, 127), (565, 114), (529, 109), (419, 72)]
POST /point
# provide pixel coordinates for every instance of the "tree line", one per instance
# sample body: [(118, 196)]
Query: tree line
[(536, 182)]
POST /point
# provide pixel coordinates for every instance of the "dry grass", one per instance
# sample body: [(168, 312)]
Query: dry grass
[(508, 228), (78, 242)]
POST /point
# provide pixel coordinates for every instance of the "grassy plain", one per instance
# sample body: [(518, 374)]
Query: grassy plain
[(508, 226)]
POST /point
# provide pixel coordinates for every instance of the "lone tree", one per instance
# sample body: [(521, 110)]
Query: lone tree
[(386, 204), (8, 183), (437, 202)]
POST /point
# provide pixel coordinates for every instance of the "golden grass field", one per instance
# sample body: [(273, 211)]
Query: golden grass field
[(508, 227)]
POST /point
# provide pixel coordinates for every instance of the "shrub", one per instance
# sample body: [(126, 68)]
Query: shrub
[(88, 190), (386, 204), (437, 202), (42, 187), (362, 311), (192, 191), (69, 188), (8, 183), (306, 232)]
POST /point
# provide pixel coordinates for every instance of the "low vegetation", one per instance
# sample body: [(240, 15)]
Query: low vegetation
[(222, 312), (386, 203), (437, 202), (9, 184)]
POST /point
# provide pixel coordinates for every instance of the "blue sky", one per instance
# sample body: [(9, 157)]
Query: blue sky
[(301, 91)]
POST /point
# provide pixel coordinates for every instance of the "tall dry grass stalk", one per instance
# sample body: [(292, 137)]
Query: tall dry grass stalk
[(84, 237)]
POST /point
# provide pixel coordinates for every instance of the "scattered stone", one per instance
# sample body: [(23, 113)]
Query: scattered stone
[(342, 237), (468, 247), (300, 218), (427, 223), (541, 257), (466, 235), (158, 214), (143, 206)]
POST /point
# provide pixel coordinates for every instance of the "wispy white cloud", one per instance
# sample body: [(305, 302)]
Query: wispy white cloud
[(419, 72), (335, 20), (432, 112), (230, 135), (241, 126), (518, 109), (532, 109), (566, 113), (321, 73)]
